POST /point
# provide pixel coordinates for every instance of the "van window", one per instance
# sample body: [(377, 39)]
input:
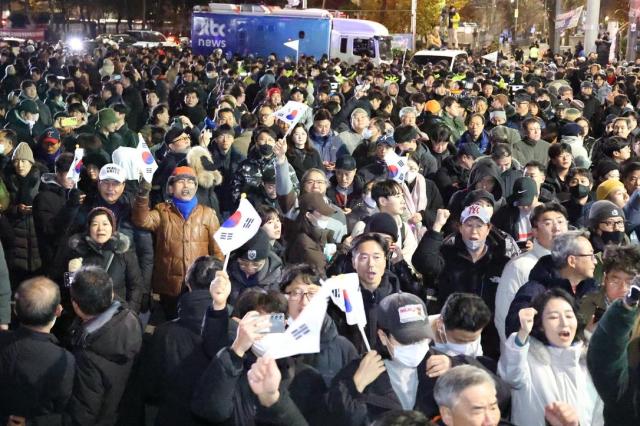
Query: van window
[(363, 46), (343, 44)]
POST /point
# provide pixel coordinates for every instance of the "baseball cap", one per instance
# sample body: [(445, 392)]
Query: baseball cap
[(586, 84), (404, 316), (475, 210), (386, 140), (470, 149), (524, 191), (571, 129), (314, 201), (51, 136), (27, 105), (478, 194), (112, 171)]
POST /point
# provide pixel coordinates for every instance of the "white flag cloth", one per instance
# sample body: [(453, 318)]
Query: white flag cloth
[(396, 166), (76, 166), (346, 294), (291, 113), (239, 228), (493, 56), (148, 165), (293, 44), (303, 334)]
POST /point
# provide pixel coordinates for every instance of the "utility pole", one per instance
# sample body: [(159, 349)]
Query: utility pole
[(556, 36), (414, 15), (591, 26)]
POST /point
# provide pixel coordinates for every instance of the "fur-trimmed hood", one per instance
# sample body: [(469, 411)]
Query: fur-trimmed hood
[(206, 178), (84, 245)]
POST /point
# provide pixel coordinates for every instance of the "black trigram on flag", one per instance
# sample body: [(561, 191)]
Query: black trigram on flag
[(336, 293), (247, 223), (301, 331), (226, 235), (401, 163)]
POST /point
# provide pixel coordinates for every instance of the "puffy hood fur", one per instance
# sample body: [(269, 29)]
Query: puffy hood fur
[(206, 178), (83, 244)]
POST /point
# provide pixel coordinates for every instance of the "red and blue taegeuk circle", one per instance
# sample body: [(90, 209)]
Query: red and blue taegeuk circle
[(292, 114), (233, 220), (147, 157), (78, 167), (393, 171)]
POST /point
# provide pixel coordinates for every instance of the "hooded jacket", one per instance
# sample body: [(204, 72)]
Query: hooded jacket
[(330, 147), (450, 178), (540, 374), (122, 262), (49, 217), (104, 349), (480, 170), (543, 276), (580, 155), (24, 132), (268, 278)]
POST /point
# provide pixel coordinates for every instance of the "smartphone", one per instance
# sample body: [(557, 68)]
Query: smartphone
[(69, 121), (276, 324), (68, 279), (634, 293)]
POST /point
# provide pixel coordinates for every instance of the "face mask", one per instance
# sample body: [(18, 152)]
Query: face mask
[(266, 150), (369, 201), (411, 176), (544, 104), (411, 355), (367, 133), (612, 237), (474, 245), (211, 75), (1, 149), (473, 349), (321, 223), (579, 191)]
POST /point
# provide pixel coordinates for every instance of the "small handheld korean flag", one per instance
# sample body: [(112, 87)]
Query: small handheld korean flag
[(303, 334), (76, 166), (346, 294), (396, 166), (239, 228), (148, 165), (291, 113)]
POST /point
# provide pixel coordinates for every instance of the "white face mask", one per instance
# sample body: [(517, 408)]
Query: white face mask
[(322, 223), (411, 355), (474, 245), (411, 176), (212, 75), (473, 349), (367, 133)]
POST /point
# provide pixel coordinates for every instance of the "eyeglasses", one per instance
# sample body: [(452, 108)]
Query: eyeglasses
[(591, 255), (619, 224), (297, 295), (183, 138), (315, 182)]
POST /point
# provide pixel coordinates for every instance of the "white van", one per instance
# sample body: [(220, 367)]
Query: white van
[(353, 38)]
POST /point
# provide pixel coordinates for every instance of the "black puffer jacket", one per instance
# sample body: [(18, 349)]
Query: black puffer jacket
[(25, 255), (481, 169), (228, 166), (250, 173), (207, 179), (118, 257), (268, 278), (104, 348), (49, 218)]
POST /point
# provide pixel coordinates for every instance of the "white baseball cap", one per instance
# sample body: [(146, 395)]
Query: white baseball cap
[(476, 210), (112, 172)]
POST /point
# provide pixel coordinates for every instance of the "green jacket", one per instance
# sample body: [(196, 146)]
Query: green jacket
[(607, 359), (110, 143), (456, 125), (129, 137)]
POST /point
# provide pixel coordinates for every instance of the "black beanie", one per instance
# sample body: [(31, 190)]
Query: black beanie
[(382, 223)]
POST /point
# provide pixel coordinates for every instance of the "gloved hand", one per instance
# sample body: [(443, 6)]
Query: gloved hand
[(207, 164), (144, 189), (75, 197), (75, 264)]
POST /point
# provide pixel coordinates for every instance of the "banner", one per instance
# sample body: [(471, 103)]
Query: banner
[(568, 19), (239, 228)]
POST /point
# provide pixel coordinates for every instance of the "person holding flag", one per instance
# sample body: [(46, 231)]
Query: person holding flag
[(184, 231), (392, 377)]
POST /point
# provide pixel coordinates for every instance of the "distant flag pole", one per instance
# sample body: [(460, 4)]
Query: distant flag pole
[(239, 228)]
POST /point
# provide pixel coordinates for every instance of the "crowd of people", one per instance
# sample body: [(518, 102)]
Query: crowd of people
[(496, 273)]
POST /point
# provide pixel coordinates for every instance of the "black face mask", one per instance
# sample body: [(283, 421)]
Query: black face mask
[(544, 104), (612, 237), (579, 191), (265, 150)]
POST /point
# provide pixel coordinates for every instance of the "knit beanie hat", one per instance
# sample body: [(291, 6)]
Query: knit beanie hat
[(382, 223), (607, 187), (102, 211), (23, 152), (603, 210), (106, 117)]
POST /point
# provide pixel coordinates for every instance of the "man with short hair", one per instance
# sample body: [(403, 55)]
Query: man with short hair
[(345, 187), (326, 141), (452, 117), (570, 266), (537, 171), (36, 374), (105, 339), (531, 147), (25, 121), (352, 137), (547, 221)]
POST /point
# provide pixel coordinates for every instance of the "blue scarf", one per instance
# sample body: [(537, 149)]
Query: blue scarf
[(185, 207)]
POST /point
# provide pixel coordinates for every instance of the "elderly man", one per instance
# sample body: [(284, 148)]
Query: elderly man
[(570, 266), (532, 147), (184, 231)]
